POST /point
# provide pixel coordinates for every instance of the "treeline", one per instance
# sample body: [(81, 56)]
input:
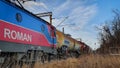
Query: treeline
[(110, 35)]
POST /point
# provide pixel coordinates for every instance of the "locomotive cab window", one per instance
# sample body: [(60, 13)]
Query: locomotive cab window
[(18, 17)]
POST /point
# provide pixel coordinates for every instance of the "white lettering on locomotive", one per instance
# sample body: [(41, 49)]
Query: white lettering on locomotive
[(15, 35)]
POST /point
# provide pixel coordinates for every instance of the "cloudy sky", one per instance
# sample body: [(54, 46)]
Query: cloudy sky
[(79, 17)]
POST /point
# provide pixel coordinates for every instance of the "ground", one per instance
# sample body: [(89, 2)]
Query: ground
[(84, 61)]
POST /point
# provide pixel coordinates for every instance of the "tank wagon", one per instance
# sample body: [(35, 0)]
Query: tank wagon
[(23, 35), (67, 46)]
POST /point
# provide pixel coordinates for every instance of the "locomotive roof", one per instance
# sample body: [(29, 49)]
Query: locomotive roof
[(26, 11)]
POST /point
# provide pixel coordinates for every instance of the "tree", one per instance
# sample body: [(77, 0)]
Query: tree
[(110, 34)]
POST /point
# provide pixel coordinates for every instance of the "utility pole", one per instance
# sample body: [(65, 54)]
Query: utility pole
[(46, 14), (63, 30)]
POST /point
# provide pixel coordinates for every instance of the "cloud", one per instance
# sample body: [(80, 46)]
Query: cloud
[(79, 13), (59, 9), (35, 7), (32, 3)]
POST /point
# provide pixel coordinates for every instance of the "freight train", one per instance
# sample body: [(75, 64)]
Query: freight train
[(25, 37)]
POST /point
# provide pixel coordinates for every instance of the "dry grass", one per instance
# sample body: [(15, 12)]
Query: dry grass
[(85, 61)]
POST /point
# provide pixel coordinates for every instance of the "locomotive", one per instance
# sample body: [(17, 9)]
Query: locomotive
[(23, 34), (25, 37)]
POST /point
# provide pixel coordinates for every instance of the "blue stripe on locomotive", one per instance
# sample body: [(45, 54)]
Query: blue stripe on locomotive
[(8, 13)]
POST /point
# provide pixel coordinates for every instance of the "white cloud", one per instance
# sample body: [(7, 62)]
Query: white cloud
[(60, 9), (35, 7), (32, 3), (81, 15)]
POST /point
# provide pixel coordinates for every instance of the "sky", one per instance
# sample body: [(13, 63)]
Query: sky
[(79, 17)]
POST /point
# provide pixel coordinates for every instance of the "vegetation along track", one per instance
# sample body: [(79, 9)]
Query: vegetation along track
[(85, 61)]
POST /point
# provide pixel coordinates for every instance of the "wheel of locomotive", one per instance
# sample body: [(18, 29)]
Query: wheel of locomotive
[(49, 57), (13, 61), (32, 58), (10, 60), (59, 54), (38, 56), (27, 59), (6, 60), (42, 57)]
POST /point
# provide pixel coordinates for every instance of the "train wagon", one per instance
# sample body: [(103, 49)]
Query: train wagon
[(73, 45), (69, 42), (60, 39), (66, 45), (23, 35)]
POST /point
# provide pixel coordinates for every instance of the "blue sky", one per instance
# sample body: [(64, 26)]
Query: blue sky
[(83, 16)]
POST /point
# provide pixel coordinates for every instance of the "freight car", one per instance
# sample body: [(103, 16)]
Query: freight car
[(67, 46), (23, 35)]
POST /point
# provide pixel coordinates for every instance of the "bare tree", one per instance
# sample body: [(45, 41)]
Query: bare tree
[(110, 34)]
